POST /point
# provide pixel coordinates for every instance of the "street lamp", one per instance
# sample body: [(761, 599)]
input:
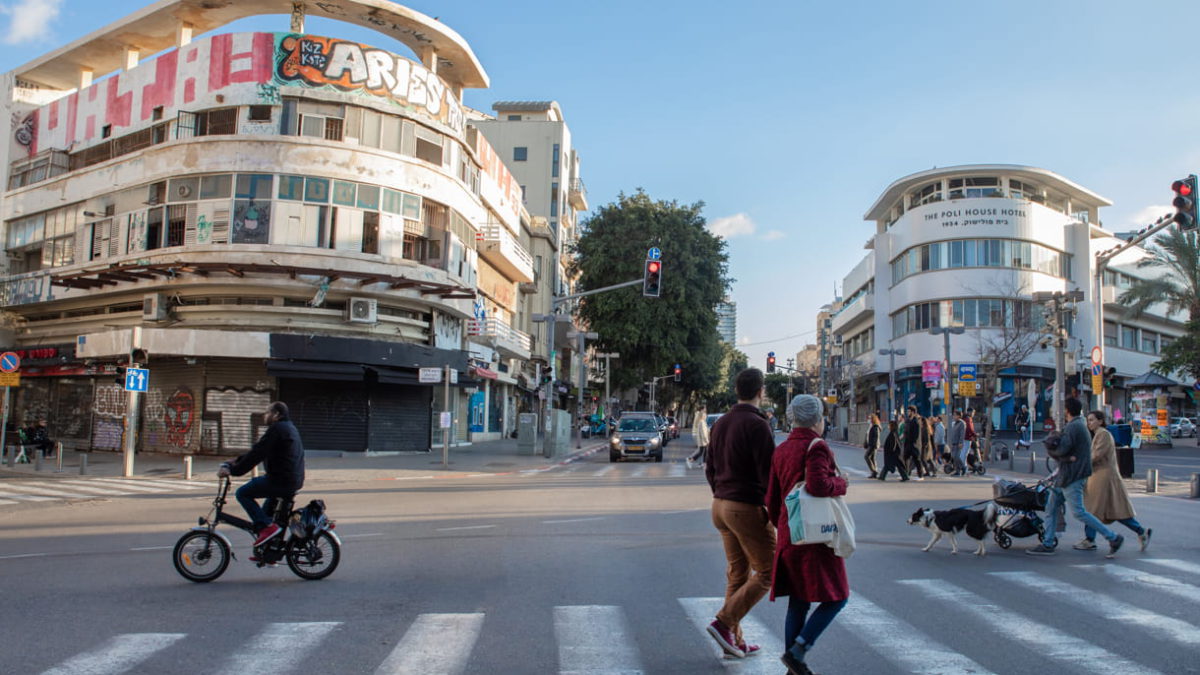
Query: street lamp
[(893, 353), (607, 380), (853, 401), (946, 332)]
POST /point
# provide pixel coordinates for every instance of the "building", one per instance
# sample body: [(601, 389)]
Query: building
[(969, 246), (727, 321), (268, 216)]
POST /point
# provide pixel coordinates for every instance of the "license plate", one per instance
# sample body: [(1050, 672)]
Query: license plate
[(634, 448)]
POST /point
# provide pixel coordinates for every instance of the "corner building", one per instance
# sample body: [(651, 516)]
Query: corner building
[(270, 216), (969, 246)]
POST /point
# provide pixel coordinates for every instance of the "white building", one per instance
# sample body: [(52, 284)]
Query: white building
[(727, 321), (969, 246)]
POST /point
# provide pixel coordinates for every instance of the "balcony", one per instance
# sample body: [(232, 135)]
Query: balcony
[(853, 312), (511, 342), (577, 195), (499, 247)]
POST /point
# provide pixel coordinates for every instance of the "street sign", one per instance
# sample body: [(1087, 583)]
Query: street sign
[(444, 420), (9, 362), (966, 389), (1097, 374), (966, 372), (10, 379), (429, 375), (654, 253), (137, 379), (1162, 418), (1096, 356)]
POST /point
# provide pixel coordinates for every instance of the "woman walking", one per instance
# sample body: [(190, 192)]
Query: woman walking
[(872, 445), (806, 573), (1105, 496), (939, 440), (700, 435), (927, 447), (891, 454)]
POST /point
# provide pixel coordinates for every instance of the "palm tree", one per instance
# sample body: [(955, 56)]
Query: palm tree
[(1176, 254)]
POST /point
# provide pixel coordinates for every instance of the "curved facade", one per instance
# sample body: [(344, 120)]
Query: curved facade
[(269, 215)]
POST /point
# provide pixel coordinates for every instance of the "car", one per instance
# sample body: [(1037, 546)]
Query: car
[(1182, 427), (663, 428), (638, 436), (673, 427), (711, 419)]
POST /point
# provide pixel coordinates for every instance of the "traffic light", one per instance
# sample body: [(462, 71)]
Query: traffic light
[(652, 279), (1110, 378), (120, 376), (678, 373), (138, 356), (1185, 203), (547, 376), (770, 362)]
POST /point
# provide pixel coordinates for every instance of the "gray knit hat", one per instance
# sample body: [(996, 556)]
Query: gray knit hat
[(805, 410)]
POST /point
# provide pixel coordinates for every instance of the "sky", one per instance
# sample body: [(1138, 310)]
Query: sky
[(788, 119)]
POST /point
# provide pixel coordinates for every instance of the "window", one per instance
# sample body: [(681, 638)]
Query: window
[(1110, 334), (1149, 342), (1128, 337), (316, 190), (106, 131), (156, 114), (978, 186), (514, 118), (216, 187), (554, 162), (259, 113), (254, 185), (520, 154), (291, 188), (429, 146), (215, 122), (926, 195), (553, 200)]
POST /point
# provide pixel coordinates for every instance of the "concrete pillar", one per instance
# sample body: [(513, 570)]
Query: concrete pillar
[(429, 59), (85, 77), (183, 34), (297, 17), (132, 54)]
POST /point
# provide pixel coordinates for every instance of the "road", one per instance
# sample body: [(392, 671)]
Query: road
[(590, 568)]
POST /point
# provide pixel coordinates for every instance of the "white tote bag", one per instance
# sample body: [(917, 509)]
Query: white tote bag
[(819, 520)]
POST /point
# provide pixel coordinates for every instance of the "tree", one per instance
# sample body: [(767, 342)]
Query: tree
[(653, 334), (1176, 255), (1003, 348)]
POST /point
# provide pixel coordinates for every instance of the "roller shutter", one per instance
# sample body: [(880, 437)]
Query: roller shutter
[(330, 414), (400, 418)]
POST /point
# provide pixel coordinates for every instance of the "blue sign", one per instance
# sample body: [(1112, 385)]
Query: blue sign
[(966, 372), (654, 253), (137, 379), (9, 362)]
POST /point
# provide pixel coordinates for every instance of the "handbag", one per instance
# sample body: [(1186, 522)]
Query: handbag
[(819, 520)]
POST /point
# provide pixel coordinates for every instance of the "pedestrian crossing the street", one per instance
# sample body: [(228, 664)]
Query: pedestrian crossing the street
[(879, 631), (25, 491)]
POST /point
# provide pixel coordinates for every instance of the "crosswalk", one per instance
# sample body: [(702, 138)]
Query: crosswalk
[(24, 491), (878, 631)]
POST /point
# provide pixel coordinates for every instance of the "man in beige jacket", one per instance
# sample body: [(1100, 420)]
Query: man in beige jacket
[(1105, 496)]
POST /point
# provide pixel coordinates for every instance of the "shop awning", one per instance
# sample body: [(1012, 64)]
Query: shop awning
[(1151, 379), (315, 370)]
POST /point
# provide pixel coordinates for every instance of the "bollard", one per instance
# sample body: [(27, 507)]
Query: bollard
[(58, 452), (37, 460), (1012, 460), (1151, 480), (1195, 486), (187, 467), (1032, 462), (83, 463)]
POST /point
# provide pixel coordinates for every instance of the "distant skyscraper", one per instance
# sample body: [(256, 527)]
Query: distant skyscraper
[(727, 321)]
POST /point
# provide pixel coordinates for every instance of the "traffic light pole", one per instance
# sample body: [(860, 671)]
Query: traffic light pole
[(129, 445)]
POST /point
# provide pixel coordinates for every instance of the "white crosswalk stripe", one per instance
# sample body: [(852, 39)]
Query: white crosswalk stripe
[(1165, 584), (42, 489), (438, 644), (677, 471), (89, 486), (24, 498), (135, 485), (605, 470), (926, 656), (1104, 605), (178, 484), (701, 612), (594, 640), (280, 648), (1180, 565), (13, 492), (120, 654), (1048, 641), (8, 501)]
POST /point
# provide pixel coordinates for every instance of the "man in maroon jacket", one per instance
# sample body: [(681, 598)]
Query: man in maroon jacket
[(740, 447)]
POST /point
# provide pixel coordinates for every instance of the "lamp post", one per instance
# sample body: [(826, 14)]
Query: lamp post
[(893, 353), (1058, 306), (946, 332), (607, 380)]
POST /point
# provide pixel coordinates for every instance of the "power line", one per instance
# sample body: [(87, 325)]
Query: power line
[(788, 337)]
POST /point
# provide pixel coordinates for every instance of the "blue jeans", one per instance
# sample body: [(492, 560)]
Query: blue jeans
[(796, 626), (1131, 523), (254, 489), (1073, 495)]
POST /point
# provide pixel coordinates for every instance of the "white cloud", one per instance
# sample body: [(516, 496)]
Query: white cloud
[(1148, 215), (729, 227), (30, 20), (744, 340), (773, 235)]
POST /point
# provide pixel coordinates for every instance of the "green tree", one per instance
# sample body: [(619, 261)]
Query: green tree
[(653, 334), (1175, 254)]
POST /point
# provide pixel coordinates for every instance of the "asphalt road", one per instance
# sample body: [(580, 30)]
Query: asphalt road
[(590, 568)]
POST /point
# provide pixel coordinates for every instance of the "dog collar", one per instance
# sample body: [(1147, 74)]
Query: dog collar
[(927, 520)]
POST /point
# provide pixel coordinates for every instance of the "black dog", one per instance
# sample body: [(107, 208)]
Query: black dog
[(977, 525)]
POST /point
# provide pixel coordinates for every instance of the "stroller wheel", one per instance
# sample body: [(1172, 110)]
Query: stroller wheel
[(1002, 539)]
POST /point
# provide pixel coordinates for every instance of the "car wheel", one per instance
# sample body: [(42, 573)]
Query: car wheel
[(658, 457), (614, 456)]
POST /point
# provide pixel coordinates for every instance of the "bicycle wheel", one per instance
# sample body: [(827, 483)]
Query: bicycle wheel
[(314, 558), (200, 556)]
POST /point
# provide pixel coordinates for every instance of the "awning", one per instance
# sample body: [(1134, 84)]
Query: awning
[(315, 370), (1151, 379), (395, 375), (485, 373)]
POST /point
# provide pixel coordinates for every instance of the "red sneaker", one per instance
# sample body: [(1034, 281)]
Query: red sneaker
[(267, 533), (749, 649), (725, 638)]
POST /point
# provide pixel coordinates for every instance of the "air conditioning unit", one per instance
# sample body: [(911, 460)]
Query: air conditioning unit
[(154, 307), (362, 310)]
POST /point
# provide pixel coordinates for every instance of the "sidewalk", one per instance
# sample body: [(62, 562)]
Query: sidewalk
[(490, 457)]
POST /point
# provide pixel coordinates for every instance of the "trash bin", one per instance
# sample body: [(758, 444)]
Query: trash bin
[(1122, 434), (1125, 461)]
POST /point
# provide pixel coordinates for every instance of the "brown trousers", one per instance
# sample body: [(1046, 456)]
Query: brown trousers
[(749, 539)]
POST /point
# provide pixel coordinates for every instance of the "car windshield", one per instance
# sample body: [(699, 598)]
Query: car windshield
[(637, 424), (711, 419)]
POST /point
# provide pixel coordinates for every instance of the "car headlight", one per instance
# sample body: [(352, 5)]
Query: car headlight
[(653, 442)]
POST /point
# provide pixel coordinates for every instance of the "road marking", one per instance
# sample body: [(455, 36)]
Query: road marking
[(178, 484), (280, 648), (26, 498), (8, 501), (1180, 565), (640, 471), (900, 643), (701, 611), (1107, 606), (677, 471), (594, 640), (118, 655), (151, 548), (464, 527), (83, 486), (605, 470), (23, 555), (571, 520), (1020, 629), (36, 488), (1160, 583), (127, 485), (853, 472), (365, 534), (435, 643)]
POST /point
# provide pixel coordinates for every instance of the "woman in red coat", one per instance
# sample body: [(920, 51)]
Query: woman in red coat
[(806, 573)]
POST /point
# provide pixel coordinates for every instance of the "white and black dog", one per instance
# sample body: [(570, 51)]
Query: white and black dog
[(977, 525)]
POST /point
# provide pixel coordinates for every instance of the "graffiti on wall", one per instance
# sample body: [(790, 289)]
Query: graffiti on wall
[(447, 332), (167, 418), (108, 416), (236, 415), (251, 221), (322, 62), (24, 290), (26, 132)]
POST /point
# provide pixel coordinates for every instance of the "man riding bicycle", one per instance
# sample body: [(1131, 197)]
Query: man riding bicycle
[(282, 454)]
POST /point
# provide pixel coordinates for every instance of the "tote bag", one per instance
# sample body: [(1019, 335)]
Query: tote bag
[(819, 520)]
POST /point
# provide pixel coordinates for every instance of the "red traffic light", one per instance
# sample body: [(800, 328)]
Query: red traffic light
[(1183, 187), (652, 266)]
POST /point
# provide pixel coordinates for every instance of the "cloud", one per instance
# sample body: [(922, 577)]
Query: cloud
[(1148, 215), (729, 227), (772, 235), (744, 340), (30, 20)]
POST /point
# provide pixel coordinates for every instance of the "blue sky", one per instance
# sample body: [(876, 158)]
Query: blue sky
[(789, 118)]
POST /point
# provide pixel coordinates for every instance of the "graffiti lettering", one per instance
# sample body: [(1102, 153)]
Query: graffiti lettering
[(177, 416)]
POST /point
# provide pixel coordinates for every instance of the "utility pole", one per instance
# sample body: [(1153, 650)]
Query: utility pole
[(945, 332), (131, 406), (892, 353), (580, 348), (607, 381), (1058, 306)]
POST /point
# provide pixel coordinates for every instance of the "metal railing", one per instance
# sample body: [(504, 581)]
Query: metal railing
[(501, 331)]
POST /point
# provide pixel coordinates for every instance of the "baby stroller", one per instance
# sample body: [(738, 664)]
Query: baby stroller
[(1017, 507)]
